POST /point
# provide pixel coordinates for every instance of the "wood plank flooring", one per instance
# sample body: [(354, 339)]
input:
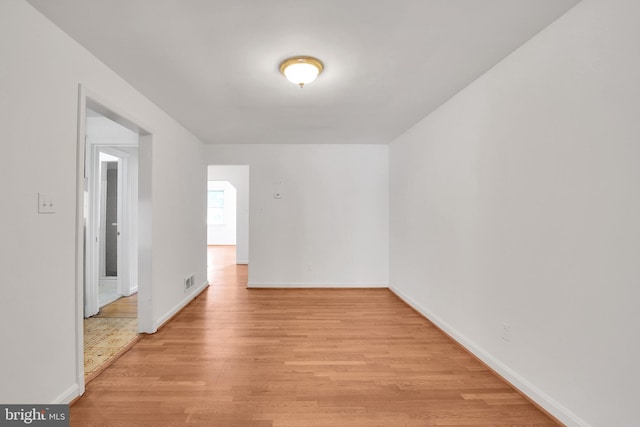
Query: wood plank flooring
[(304, 358), (125, 307)]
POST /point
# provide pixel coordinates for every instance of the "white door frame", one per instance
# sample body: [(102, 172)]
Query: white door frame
[(242, 206), (146, 310), (95, 227), (92, 227)]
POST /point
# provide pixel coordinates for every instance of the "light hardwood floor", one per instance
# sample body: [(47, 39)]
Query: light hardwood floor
[(123, 307), (304, 358)]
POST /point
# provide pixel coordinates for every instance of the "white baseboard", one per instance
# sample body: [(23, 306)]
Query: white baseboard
[(315, 285), (68, 395), (186, 300), (532, 392), (131, 291), (242, 262)]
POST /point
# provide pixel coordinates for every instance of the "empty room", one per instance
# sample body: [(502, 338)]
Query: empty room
[(434, 206)]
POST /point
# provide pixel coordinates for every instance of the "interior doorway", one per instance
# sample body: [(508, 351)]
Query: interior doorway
[(111, 201), (228, 211), (111, 262), (113, 230), (111, 167)]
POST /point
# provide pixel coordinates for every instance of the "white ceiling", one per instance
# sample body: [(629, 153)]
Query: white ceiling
[(213, 64)]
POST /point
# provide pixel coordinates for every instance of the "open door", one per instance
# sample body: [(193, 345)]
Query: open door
[(113, 273), (110, 283)]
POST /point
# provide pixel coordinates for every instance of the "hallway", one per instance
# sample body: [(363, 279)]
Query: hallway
[(304, 357)]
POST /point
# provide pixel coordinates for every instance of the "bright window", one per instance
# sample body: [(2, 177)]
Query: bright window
[(215, 207)]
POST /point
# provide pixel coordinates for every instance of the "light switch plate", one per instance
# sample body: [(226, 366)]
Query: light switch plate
[(46, 204)]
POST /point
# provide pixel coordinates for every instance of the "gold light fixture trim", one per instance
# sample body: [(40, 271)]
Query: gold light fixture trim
[(301, 69)]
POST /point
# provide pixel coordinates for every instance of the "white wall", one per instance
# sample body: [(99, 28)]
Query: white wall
[(238, 176), (103, 131), (330, 228), (225, 233), (40, 69), (518, 201)]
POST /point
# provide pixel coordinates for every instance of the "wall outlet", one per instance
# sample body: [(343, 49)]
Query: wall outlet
[(506, 332)]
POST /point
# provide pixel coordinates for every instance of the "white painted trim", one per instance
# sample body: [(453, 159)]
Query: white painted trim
[(146, 304), (123, 237), (68, 395), (318, 285), (132, 291), (182, 304), (541, 398), (92, 246), (242, 262), (80, 236)]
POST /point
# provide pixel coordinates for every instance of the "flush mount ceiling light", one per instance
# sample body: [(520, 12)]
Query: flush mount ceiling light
[(301, 69)]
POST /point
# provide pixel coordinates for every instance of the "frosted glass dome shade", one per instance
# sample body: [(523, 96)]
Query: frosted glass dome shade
[(301, 70)]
